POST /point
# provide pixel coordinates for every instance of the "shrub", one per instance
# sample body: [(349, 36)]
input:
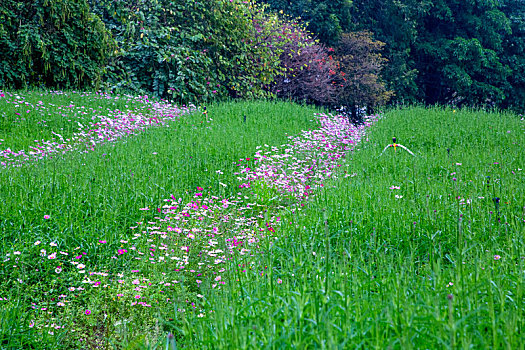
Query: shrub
[(191, 50), (361, 63), (306, 70), (309, 75), (52, 43)]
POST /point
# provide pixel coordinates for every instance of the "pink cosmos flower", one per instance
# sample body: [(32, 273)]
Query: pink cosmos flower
[(87, 312), (46, 217)]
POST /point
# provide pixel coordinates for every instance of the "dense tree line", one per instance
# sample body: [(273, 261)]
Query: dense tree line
[(438, 51), (327, 52)]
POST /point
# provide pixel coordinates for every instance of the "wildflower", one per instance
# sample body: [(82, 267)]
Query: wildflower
[(52, 256), (37, 243), (497, 257), (81, 266), (58, 269), (46, 217), (87, 312)]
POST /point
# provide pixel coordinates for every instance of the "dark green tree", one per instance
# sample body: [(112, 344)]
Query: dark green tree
[(51, 43), (327, 19), (514, 55), (395, 24), (449, 51), (458, 52)]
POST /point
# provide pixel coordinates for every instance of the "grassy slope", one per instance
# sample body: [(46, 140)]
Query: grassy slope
[(33, 115), (360, 268), (383, 266), (96, 196)]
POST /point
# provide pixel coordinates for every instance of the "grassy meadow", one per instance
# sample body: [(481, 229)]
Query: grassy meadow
[(264, 224)]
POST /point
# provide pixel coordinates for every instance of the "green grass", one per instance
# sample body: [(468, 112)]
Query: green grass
[(418, 271), (97, 195), (356, 267), (34, 115)]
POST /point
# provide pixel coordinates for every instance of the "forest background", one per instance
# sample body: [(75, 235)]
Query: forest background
[(330, 53)]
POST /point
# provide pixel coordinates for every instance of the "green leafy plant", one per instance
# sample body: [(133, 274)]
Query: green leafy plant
[(53, 43), (189, 51)]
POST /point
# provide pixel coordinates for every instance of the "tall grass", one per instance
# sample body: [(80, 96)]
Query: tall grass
[(407, 252), (393, 251), (78, 200)]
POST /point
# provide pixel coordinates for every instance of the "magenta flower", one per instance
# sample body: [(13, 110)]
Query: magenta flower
[(87, 312), (46, 217)]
